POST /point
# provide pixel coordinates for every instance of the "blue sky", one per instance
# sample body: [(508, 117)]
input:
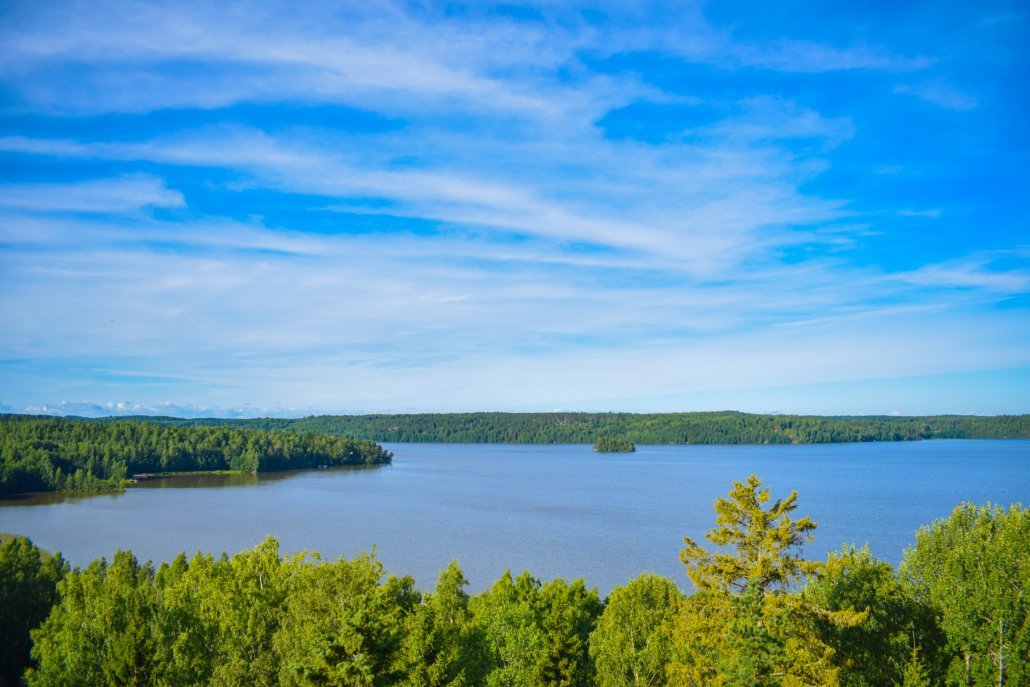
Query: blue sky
[(282, 208)]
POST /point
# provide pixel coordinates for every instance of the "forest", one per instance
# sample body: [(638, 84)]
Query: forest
[(759, 615), (58, 454), (659, 428)]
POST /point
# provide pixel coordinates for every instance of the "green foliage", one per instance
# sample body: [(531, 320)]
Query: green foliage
[(744, 627), (54, 454), (439, 648), (568, 614), (632, 642), (876, 652), (536, 635), (610, 444), (189, 628), (507, 616), (754, 652), (245, 600), (973, 568), (343, 627), (101, 631), (28, 589), (760, 546), (915, 674)]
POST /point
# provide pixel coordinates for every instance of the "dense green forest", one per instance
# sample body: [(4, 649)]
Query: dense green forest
[(761, 615), (660, 428), (56, 454)]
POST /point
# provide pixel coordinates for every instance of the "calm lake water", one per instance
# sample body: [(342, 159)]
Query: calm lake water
[(554, 510)]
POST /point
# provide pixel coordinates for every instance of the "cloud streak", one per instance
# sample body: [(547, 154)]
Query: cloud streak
[(101, 195)]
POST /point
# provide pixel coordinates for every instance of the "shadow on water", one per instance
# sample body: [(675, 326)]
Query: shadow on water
[(201, 480), (180, 481), (44, 498)]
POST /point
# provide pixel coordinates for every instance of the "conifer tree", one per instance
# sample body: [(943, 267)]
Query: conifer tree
[(742, 627)]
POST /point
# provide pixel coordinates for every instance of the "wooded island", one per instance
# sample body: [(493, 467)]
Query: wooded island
[(614, 445)]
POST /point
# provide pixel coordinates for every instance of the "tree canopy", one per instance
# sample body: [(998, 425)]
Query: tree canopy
[(973, 568), (722, 427)]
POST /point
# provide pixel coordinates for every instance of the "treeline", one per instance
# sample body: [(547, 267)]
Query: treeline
[(57, 454), (659, 428), (954, 613)]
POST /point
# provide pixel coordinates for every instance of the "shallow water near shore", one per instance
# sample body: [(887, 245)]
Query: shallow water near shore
[(554, 510)]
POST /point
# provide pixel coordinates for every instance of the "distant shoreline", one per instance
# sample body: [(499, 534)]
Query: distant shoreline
[(723, 427)]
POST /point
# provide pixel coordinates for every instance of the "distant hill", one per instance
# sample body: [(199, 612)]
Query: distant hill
[(723, 427)]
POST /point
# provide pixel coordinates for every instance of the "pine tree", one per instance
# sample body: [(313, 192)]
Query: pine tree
[(914, 674), (743, 627)]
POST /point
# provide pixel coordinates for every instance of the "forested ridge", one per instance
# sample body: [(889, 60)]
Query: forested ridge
[(58, 454), (761, 615), (657, 428)]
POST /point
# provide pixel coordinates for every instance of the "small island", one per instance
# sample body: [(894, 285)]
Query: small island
[(614, 445)]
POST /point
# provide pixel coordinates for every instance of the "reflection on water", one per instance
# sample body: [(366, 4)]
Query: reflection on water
[(45, 498), (194, 481), (233, 479), (175, 481)]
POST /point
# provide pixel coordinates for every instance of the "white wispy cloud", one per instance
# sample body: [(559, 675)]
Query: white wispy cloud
[(365, 55), (704, 205), (940, 94), (115, 289), (342, 322), (99, 195), (974, 272), (931, 213), (808, 56), (383, 55), (765, 118)]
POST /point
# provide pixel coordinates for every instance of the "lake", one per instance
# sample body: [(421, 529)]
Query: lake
[(554, 510)]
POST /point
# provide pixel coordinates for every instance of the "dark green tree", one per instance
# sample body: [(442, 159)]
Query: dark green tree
[(568, 614), (28, 589), (874, 653), (439, 647), (506, 618), (632, 642), (973, 568), (342, 627), (101, 631), (188, 629)]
